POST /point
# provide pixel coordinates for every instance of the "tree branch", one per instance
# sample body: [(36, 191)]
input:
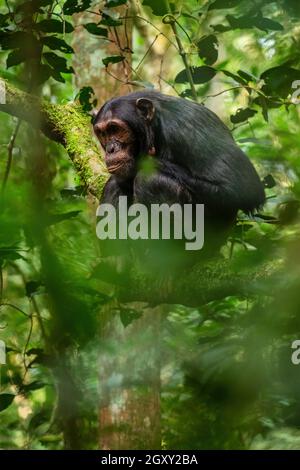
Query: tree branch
[(65, 124), (203, 283)]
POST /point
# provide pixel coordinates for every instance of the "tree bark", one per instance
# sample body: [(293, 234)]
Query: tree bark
[(130, 383), (90, 50)]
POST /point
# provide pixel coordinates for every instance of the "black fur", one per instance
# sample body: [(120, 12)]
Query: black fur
[(196, 157)]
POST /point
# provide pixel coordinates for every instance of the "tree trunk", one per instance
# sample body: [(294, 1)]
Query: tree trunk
[(129, 415), (90, 50), (130, 384)]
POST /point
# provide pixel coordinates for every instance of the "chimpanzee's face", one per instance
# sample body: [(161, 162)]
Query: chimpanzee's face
[(121, 144)]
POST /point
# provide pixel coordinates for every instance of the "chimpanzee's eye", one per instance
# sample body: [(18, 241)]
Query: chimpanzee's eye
[(99, 133), (113, 128)]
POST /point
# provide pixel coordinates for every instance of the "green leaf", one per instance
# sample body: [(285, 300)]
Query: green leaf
[(75, 6), (265, 24), (35, 385), (57, 62), (28, 50), (187, 93), (258, 21), (87, 98), (32, 287), (54, 26), (220, 28), (56, 218), (114, 59), (39, 3), (43, 73), (236, 78), (4, 19), (10, 253), (143, 84), (266, 104), (278, 80), (208, 49), (93, 28), (269, 181), (247, 76), (241, 22), (57, 76), (34, 6), (19, 39), (114, 3), (220, 4), (77, 191), (39, 419), (159, 7), (109, 21), (6, 399), (199, 74), (265, 112), (35, 351), (41, 357), (242, 115), (15, 57), (57, 44)]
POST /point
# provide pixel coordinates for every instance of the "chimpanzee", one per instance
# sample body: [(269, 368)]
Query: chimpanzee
[(195, 159)]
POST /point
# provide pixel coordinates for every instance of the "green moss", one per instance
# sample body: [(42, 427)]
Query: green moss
[(68, 125)]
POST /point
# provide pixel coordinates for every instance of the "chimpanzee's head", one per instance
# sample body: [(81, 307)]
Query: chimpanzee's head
[(124, 127)]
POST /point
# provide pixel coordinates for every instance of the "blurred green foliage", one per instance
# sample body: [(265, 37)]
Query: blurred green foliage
[(227, 377)]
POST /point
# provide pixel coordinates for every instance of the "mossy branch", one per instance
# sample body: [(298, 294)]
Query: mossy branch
[(65, 124), (203, 283)]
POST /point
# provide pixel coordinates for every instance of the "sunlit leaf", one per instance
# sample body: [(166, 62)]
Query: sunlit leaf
[(6, 399)]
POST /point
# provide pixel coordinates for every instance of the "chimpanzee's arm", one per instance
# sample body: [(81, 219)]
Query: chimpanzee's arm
[(160, 187), (115, 188)]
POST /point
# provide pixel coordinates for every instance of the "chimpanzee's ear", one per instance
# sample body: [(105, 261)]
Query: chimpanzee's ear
[(93, 112), (145, 108)]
